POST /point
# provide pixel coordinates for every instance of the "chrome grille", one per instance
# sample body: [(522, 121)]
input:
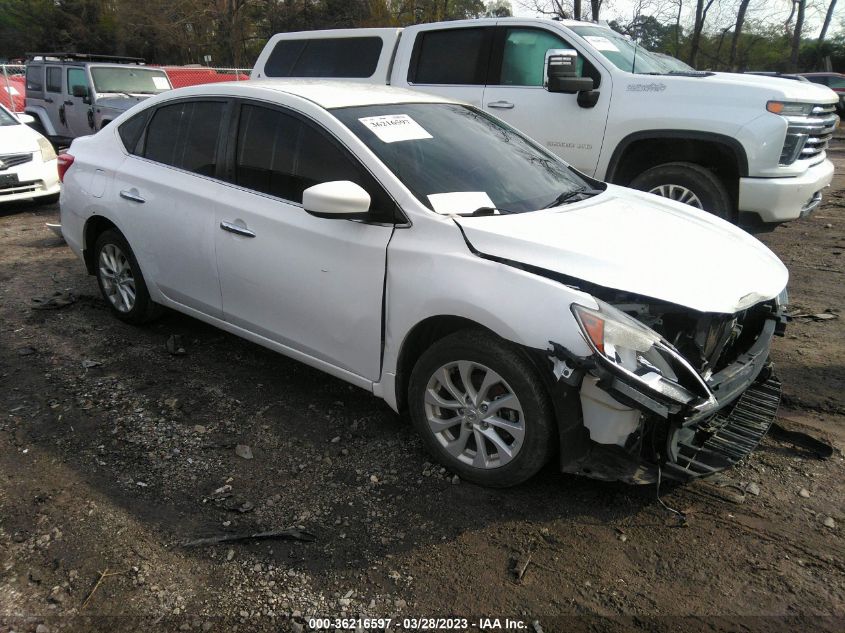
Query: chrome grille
[(13, 160), (807, 137)]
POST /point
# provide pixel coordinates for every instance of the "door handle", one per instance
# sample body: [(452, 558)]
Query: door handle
[(131, 195), (48, 100), (505, 105), (236, 229), (68, 102)]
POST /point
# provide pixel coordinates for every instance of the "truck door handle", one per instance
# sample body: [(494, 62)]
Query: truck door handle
[(505, 105), (132, 195), (236, 229), (48, 100), (68, 102)]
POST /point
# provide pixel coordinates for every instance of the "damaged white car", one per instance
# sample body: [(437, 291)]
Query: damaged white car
[(428, 252)]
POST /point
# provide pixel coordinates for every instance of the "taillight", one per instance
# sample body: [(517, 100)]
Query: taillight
[(65, 161)]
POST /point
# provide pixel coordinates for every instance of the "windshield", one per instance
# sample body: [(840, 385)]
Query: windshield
[(623, 52), (129, 79), (6, 118), (456, 159)]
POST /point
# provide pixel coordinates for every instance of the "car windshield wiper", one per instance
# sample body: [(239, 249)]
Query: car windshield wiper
[(486, 211), (566, 196)]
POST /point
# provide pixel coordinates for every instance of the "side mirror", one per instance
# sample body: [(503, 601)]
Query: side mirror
[(561, 72), (26, 119), (79, 91), (340, 199)]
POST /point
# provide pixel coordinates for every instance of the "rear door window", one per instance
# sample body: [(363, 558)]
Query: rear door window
[(452, 56), (54, 79), (186, 135), (281, 155), (349, 57)]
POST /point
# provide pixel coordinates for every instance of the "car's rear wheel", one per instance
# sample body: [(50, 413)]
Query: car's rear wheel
[(120, 279), (481, 409), (688, 183)]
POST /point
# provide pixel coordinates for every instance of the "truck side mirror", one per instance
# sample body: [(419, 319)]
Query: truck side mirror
[(80, 91), (561, 72)]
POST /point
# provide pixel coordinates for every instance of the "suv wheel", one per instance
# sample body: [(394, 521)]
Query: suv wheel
[(481, 409), (121, 281), (687, 183)]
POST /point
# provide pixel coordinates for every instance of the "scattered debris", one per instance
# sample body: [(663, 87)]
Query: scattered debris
[(175, 346), (520, 565), (103, 575), (26, 351), (804, 493), (827, 315), (88, 364), (243, 451), (753, 489), (56, 228), (536, 626), (293, 534), (54, 301), (829, 522)]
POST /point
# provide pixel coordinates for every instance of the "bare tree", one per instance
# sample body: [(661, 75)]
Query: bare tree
[(701, 9), (740, 21), (796, 34), (827, 17)]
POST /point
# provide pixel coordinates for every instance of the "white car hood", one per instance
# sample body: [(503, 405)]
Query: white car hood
[(639, 243), (15, 139), (790, 89)]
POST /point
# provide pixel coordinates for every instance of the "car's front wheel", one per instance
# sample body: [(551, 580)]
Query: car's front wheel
[(120, 279), (481, 409)]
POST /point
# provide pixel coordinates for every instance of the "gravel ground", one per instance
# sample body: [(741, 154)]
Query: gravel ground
[(115, 453)]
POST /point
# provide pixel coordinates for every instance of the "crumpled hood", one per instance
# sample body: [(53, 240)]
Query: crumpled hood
[(121, 103), (636, 242)]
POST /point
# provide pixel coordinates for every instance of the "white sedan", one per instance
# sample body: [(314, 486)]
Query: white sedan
[(28, 166), (427, 252)]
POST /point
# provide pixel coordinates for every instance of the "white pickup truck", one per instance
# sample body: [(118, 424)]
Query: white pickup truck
[(748, 148)]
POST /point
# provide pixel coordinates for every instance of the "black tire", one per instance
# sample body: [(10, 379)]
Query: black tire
[(506, 360), (143, 309), (702, 182)]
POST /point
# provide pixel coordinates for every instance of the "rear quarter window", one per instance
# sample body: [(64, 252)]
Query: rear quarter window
[(130, 131), (35, 78), (348, 57)]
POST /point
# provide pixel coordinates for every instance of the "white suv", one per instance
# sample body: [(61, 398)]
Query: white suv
[(427, 252)]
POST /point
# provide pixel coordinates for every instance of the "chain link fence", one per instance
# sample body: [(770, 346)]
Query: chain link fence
[(13, 80), (12, 86)]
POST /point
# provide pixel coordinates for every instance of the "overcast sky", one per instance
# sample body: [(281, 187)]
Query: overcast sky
[(772, 12)]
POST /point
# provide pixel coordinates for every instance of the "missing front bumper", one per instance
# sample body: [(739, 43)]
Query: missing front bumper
[(726, 438)]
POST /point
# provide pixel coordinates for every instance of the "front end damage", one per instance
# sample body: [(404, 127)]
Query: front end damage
[(667, 389)]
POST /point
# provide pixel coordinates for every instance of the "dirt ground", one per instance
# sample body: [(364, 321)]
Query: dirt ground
[(114, 453)]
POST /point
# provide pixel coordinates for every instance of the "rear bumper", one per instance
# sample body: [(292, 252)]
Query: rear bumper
[(775, 200)]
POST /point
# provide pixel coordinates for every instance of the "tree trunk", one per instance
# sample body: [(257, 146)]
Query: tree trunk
[(576, 9), (828, 16), (695, 41), (740, 20), (678, 29), (796, 35), (595, 6)]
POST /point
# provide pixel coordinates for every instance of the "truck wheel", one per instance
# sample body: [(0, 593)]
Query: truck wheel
[(481, 409), (688, 183)]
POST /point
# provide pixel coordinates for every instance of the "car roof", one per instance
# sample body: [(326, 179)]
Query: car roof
[(325, 93)]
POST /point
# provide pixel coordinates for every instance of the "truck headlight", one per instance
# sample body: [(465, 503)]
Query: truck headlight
[(639, 353), (785, 108), (48, 153)]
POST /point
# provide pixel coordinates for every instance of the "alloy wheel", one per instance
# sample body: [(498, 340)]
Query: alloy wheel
[(474, 414), (678, 193), (117, 278)]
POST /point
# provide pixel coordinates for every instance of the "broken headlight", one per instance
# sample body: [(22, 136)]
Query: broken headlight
[(639, 353)]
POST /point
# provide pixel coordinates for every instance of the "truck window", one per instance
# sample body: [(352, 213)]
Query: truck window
[(76, 77), (524, 57), (35, 78), (54, 79), (452, 56), (185, 135), (347, 57)]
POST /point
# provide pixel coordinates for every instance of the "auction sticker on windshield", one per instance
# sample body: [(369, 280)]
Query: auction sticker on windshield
[(161, 83), (390, 128), (601, 43)]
